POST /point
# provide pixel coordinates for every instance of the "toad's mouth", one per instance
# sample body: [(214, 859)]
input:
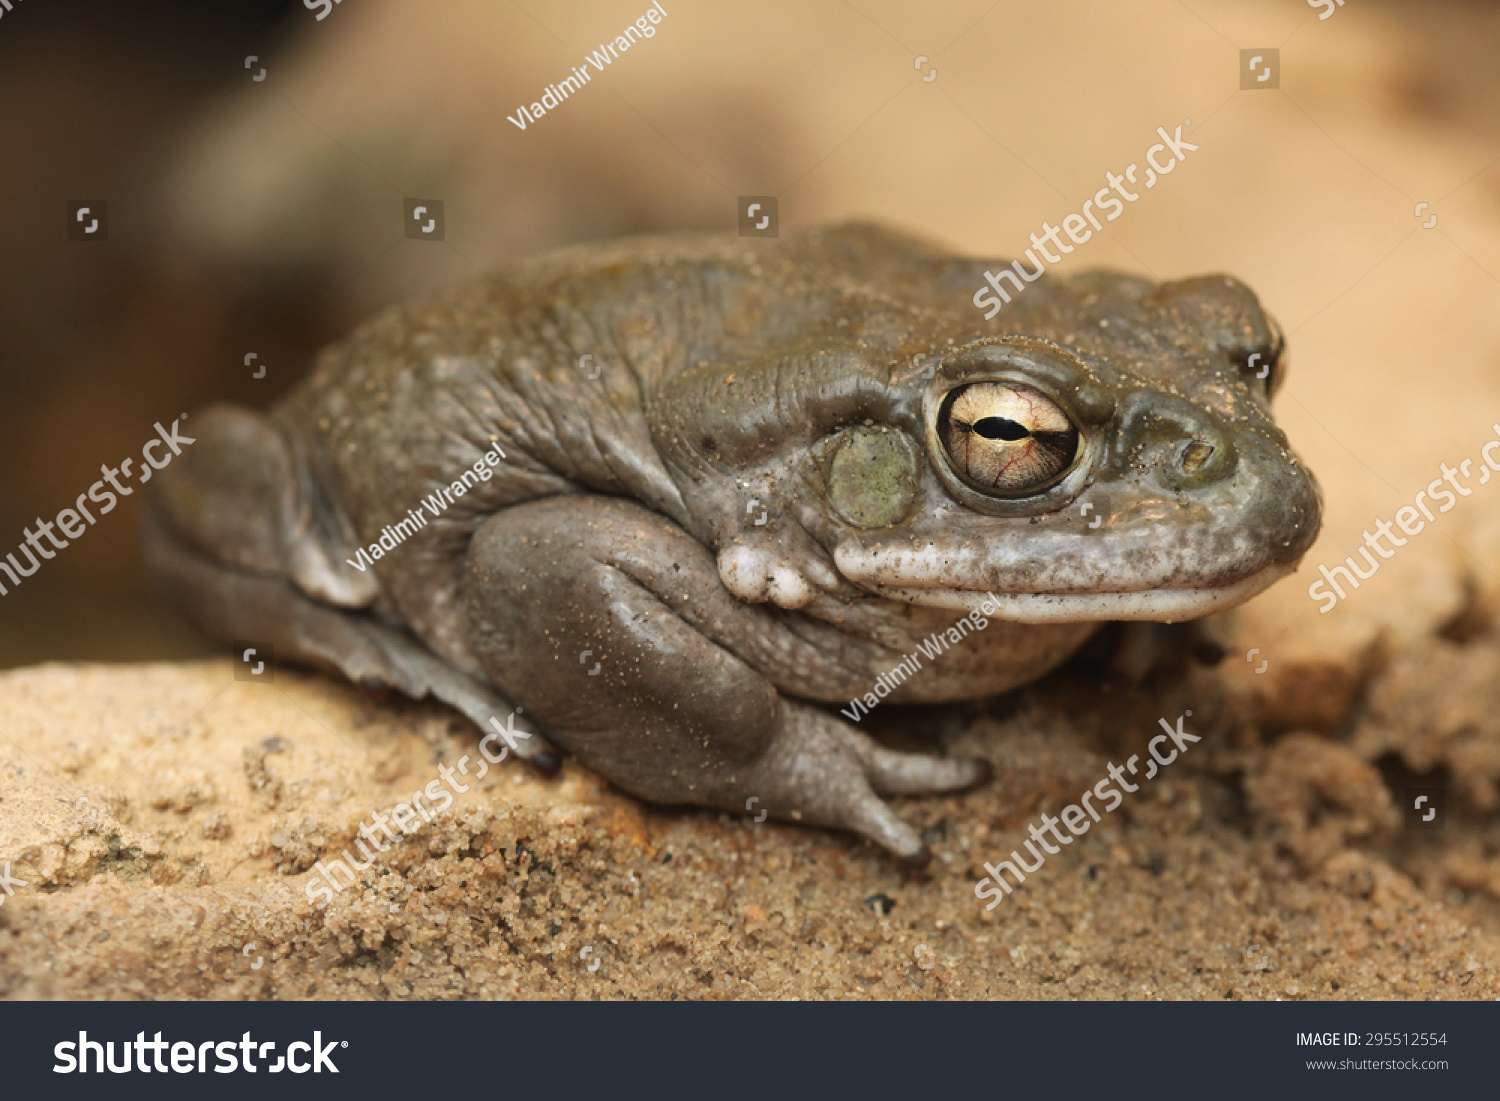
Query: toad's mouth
[(1158, 605), (1050, 574)]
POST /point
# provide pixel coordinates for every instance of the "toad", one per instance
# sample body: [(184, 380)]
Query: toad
[(661, 502)]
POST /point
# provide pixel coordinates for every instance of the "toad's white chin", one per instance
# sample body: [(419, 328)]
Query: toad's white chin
[(1158, 605)]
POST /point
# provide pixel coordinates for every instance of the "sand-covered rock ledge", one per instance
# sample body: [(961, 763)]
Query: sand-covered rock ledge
[(164, 820)]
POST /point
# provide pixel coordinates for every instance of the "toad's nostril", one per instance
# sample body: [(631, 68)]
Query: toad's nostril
[(1183, 446), (1192, 458)]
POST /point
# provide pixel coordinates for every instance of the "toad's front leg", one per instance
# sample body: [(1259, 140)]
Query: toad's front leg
[(611, 625)]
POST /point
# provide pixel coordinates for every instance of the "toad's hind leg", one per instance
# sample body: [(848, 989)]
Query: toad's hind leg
[(611, 625), (218, 548)]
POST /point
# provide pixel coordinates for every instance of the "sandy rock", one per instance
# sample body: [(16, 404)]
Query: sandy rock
[(211, 803), (1439, 708), (1317, 796)]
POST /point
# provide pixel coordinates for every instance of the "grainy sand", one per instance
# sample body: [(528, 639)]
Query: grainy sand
[(164, 818)]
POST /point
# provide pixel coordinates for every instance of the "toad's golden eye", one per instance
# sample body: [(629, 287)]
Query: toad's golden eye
[(1006, 438)]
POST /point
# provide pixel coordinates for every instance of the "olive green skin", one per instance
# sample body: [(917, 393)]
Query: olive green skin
[(722, 479)]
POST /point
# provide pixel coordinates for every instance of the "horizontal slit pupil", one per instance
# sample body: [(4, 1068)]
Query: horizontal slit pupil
[(1000, 428)]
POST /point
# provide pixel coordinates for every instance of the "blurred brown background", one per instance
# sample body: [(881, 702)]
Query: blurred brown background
[(265, 216)]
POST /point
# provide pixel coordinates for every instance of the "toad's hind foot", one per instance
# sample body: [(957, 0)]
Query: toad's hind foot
[(822, 771)]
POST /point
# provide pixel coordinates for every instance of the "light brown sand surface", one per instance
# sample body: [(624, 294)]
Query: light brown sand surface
[(164, 820)]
